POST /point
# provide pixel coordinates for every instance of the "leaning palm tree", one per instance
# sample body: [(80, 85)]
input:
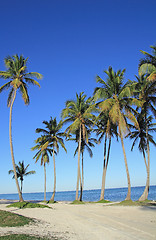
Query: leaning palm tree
[(105, 129), (21, 172), (44, 154), (53, 136), (79, 113), (115, 99), (19, 77), (140, 136), (147, 65)]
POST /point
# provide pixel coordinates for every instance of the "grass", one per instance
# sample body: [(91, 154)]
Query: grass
[(104, 201), (8, 219), (27, 205), (127, 203), (24, 237), (77, 202), (136, 203)]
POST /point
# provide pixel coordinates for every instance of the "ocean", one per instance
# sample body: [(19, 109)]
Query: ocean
[(113, 194)]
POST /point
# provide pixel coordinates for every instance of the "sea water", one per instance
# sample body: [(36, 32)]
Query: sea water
[(113, 194)]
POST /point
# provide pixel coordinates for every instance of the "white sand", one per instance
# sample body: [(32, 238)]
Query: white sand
[(88, 222)]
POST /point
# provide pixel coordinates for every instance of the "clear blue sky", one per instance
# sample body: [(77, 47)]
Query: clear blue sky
[(70, 42)]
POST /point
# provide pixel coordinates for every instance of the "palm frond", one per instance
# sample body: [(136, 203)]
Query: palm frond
[(32, 81), (24, 92), (34, 74)]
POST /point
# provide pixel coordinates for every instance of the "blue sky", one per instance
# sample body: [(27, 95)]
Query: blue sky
[(70, 42)]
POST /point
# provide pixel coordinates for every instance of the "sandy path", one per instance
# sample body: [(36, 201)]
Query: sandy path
[(89, 221)]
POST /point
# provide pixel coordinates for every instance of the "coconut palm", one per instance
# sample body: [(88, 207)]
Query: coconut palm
[(146, 91), (53, 136), (140, 136), (21, 171), (105, 129), (44, 155), (79, 113), (84, 145), (115, 99), (19, 77), (147, 65)]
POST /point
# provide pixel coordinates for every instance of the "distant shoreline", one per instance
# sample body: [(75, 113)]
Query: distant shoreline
[(75, 191)]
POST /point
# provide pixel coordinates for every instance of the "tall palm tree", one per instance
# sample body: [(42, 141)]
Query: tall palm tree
[(147, 65), (141, 136), (145, 91), (79, 113), (53, 136), (19, 77), (115, 99), (84, 145), (44, 154), (21, 171), (105, 129)]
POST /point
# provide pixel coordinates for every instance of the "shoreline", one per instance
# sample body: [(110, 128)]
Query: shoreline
[(85, 190)]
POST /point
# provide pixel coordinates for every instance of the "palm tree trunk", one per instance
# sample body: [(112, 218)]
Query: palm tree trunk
[(148, 157), (82, 182), (11, 147), (21, 185), (104, 172), (44, 182), (127, 171), (145, 193), (78, 168), (53, 195)]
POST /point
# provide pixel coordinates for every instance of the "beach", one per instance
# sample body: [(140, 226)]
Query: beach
[(88, 221)]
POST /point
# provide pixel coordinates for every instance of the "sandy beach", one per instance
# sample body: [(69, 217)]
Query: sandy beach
[(88, 222)]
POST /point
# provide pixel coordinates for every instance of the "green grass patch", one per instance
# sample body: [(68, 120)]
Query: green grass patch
[(127, 203), (8, 219), (103, 201), (27, 205), (24, 237), (137, 203), (77, 202)]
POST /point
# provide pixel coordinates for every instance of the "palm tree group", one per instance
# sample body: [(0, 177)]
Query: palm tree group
[(117, 109), (49, 143)]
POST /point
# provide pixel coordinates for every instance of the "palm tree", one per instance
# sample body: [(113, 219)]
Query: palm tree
[(79, 113), (44, 154), (16, 72), (84, 145), (147, 65), (105, 129), (145, 91), (141, 136), (21, 171), (115, 99), (53, 136)]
